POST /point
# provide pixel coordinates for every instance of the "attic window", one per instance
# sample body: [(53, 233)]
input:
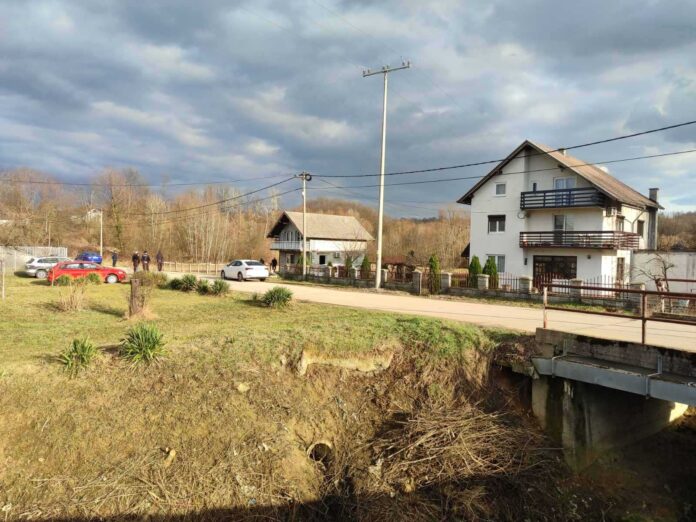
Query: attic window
[(500, 189)]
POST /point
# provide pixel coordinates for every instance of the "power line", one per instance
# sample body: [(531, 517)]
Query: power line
[(442, 180), (97, 184), (215, 202), (488, 162), (178, 219), (393, 204)]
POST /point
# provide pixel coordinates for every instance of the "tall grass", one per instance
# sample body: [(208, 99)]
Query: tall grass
[(63, 280), (277, 297), (144, 343), (73, 300), (203, 286), (188, 283), (219, 287), (78, 355), (94, 278)]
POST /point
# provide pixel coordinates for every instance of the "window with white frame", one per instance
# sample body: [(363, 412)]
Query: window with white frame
[(496, 224), (499, 261), (500, 189), (337, 255)]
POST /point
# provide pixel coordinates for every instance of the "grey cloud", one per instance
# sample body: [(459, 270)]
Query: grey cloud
[(187, 88)]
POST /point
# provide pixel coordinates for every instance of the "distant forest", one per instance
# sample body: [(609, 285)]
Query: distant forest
[(677, 231), (192, 225)]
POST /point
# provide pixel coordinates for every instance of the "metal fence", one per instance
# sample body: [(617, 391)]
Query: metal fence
[(649, 305), (461, 280), (400, 276), (16, 256)]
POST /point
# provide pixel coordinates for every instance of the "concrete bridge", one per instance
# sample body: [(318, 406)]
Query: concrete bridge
[(592, 395)]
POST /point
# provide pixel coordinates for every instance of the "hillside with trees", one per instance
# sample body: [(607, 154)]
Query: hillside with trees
[(677, 231), (192, 224)]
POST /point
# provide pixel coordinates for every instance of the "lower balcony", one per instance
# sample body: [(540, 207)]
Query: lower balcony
[(605, 239), (287, 245)]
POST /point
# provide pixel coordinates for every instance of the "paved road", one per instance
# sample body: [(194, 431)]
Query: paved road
[(512, 317)]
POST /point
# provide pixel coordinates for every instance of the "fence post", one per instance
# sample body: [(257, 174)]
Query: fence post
[(546, 298), (385, 274), (525, 284), (417, 282), (445, 282), (482, 281), (576, 293), (353, 275)]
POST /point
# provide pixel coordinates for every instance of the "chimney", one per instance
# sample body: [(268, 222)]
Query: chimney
[(653, 194)]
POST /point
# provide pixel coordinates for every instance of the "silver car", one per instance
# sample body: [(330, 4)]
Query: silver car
[(39, 266)]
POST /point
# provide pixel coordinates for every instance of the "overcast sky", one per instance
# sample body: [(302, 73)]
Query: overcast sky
[(213, 90)]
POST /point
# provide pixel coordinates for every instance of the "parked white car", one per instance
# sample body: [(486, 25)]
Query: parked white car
[(243, 269), (39, 266)]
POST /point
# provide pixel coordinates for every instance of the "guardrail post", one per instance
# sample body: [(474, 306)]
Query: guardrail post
[(643, 315)]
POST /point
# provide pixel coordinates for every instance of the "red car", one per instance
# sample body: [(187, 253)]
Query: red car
[(77, 269)]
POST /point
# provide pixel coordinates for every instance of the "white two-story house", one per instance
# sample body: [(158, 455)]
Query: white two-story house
[(545, 214), (330, 239)]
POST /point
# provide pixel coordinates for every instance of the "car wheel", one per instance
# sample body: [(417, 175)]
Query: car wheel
[(111, 279), (240, 277), (222, 275), (41, 274)]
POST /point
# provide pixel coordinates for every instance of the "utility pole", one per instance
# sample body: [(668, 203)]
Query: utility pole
[(305, 177), (101, 234), (385, 70)]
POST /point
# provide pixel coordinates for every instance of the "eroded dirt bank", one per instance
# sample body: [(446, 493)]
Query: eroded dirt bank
[(414, 431)]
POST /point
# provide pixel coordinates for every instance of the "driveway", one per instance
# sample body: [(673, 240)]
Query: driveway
[(511, 317)]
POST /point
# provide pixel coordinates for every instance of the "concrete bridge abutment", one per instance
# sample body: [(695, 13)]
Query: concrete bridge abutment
[(587, 420)]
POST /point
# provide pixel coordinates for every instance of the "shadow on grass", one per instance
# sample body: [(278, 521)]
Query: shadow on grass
[(108, 310), (23, 274)]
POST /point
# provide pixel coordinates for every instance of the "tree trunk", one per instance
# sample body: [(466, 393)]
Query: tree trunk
[(136, 303)]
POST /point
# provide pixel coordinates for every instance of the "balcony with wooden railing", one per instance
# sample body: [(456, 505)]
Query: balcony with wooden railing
[(604, 239), (562, 198), (287, 245)]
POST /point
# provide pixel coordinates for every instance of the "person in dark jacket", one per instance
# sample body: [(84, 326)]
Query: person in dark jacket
[(136, 261), (160, 260), (145, 258), (114, 257), (274, 264)]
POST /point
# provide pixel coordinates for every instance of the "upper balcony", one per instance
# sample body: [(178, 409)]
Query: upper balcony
[(287, 245), (562, 198), (604, 239)]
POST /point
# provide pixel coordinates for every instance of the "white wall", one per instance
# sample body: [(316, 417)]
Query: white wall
[(647, 261)]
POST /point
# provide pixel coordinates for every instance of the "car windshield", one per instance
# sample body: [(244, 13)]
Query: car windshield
[(254, 263)]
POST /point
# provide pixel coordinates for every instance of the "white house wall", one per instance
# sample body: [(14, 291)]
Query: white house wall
[(486, 203)]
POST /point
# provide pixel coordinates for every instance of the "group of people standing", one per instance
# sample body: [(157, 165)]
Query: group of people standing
[(145, 260)]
